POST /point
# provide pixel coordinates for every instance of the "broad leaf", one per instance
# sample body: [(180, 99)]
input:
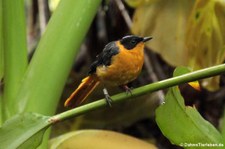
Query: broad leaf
[(180, 71), (181, 124), (98, 139), (23, 131)]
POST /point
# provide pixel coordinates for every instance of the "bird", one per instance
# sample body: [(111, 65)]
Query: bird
[(119, 63)]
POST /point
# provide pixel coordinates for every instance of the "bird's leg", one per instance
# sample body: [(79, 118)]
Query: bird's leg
[(107, 97), (126, 89)]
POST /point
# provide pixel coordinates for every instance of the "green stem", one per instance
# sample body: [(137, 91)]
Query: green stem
[(222, 127), (189, 77), (1, 44), (15, 51), (1, 62)]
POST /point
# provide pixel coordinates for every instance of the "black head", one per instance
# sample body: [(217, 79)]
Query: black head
[(129, 42)]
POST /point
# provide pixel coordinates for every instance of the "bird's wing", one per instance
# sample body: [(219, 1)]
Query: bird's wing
[(105, 57)]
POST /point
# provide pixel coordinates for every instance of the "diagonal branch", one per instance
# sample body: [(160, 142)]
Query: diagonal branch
[(189, 77)]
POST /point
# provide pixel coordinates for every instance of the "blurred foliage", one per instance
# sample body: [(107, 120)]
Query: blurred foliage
[(222, 125), (53, 4), (189, 33), (165, 21), (205, 38), (98, 139), (34, 88), (136, 3), (15, 53), (1, 45)]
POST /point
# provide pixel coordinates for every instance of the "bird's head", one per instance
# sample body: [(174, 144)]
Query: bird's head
[(131, 41)]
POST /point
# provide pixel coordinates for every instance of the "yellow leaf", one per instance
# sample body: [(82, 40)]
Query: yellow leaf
[(205, 38), (98, 139), (195, 85)]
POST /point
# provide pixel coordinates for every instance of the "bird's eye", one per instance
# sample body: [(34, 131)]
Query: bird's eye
[(133, 41)]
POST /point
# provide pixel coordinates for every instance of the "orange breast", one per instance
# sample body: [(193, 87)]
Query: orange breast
[(124, 68)]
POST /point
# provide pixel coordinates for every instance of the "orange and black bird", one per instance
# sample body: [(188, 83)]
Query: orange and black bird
[(119, 63)]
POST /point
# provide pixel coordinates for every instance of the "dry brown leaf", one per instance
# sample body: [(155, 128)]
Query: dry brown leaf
[(166, 22), (189, 33)]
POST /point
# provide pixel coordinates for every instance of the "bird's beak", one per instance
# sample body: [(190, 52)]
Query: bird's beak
[(146, 39)]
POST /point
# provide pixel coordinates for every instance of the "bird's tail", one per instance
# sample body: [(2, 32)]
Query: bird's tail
[(87, 85)]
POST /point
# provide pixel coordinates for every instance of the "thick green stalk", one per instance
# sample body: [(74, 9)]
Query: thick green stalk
[(49, 68), (196, 75), (1, 62), (1, 45), (222, 127), (1, 111), (15, 51)]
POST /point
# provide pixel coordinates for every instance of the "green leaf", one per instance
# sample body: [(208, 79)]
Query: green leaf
[(1, 63), (1, 45), (15, 51), (222, 126), (180, 71), (181, 124), (1, 119), (52, 61), (23, 131)]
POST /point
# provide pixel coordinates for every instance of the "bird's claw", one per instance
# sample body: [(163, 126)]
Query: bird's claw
[(107, 97), (108, 100), (127, 89)]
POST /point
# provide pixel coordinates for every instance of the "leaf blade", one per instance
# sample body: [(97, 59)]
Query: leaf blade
[(54, 56), (187, 122), (16, 131), (15, 52)]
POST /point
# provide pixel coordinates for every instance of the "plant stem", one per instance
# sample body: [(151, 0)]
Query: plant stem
[(222, 127), (15, 52), (1, 45), (189, 77), (1, 62)]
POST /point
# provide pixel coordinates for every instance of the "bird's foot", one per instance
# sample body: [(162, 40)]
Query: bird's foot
[(127, 89), (107, 97)]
